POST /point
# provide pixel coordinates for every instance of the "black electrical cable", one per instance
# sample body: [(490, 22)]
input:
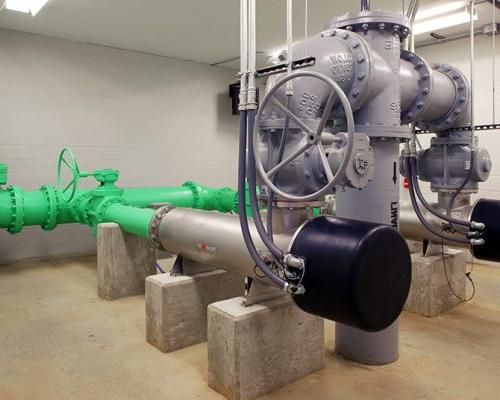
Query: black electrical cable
[(467, 274), (421, 218), (413, 173), (245, 230)]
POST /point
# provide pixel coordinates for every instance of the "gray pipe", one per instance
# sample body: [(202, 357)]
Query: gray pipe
[(365, 5), (213, 238), (377, 202)]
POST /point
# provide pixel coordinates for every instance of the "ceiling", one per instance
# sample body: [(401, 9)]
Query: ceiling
[(196, 30)]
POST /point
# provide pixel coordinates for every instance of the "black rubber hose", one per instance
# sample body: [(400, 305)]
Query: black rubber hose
[(421, 218), (252, 188), (245, 230), (413, 175)]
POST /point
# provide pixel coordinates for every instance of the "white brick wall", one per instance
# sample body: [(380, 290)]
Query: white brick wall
[(160, 121)]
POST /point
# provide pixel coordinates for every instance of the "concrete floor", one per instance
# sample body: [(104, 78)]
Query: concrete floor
[(59, 341)]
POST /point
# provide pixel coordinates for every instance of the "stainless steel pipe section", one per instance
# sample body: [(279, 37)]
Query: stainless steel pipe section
[(213, 238), (411, 228)]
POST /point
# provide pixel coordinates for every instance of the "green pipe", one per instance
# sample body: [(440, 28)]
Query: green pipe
[(131, 219), (144, 197), (45, 207), (48, 207)]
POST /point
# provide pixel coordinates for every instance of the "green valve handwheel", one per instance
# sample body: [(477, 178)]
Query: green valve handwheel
[(67, 160)]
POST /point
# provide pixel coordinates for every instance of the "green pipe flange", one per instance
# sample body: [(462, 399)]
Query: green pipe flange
[(196, 190), (17, 222), (79, 208), (52, 207), (219, 197), (101, 210)]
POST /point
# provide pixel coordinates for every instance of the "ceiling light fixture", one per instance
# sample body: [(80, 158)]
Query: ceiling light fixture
[(442, 16), (25, 6)]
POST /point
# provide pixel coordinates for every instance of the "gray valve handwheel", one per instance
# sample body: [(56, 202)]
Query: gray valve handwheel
[(314, 136)]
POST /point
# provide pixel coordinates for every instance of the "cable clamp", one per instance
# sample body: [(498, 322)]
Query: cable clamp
[(477, 242), (477, 225), (294, 262), (294, 289)]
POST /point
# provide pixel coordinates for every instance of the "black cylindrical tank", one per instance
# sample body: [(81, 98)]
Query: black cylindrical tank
[(357, 273), (488, 212)]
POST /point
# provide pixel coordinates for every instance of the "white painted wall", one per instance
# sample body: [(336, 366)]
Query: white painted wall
[(160, 121), (457, 54)]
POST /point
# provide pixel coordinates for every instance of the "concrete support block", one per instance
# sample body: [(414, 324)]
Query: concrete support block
[(176, 306), (123, 262), (256, 349), (414, 246), (430, 294)]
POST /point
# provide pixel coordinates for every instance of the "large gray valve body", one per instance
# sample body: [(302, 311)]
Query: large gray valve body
[(388, 88), (446, 164)]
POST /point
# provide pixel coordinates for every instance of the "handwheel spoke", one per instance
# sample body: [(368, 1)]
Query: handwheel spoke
[(67, 163), (68, 186), (287, 160), (326, 164), (291, 115), (326, 113)]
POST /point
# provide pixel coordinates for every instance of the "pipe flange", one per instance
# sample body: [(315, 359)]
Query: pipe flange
[(425, 86), (362, 64), (459, 107), (17, 218), (364, 21), (79, 208), (219, 205), (103, 206), (154, 226), (52, 207), (196, 190)]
